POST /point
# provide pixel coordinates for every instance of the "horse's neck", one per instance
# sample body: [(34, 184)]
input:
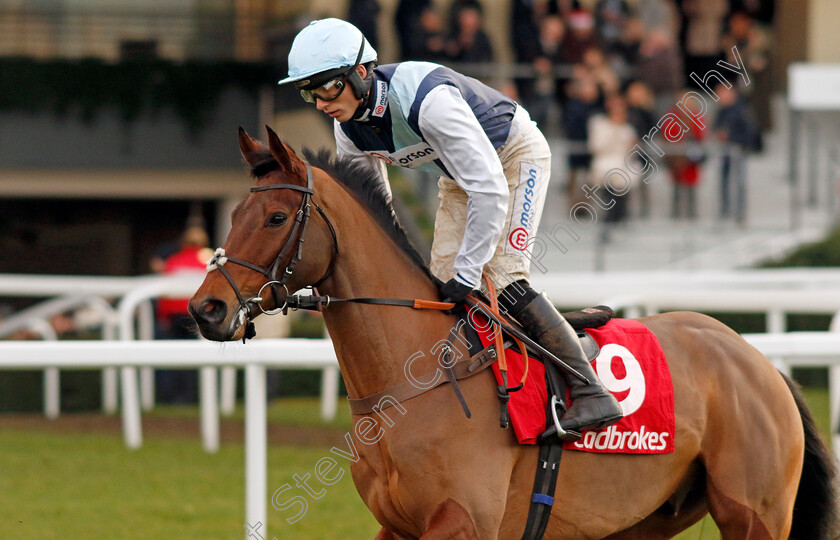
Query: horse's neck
[(373, 343)]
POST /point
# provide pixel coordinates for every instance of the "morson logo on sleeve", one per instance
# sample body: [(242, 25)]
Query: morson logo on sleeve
[(381, 99), (410, 156)]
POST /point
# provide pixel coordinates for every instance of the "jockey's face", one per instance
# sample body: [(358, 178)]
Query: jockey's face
[(344, 106)]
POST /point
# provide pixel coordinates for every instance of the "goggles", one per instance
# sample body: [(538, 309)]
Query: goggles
[(326, 92), (334, 86)]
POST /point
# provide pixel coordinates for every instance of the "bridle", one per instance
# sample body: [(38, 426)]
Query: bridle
[(292, 250)]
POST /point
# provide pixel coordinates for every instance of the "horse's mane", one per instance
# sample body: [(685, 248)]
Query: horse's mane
[(365, 185)]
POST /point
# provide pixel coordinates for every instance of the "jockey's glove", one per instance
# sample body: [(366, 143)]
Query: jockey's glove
[(454, 291)]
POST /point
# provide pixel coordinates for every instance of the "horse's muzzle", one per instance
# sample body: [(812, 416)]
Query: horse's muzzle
[(211, 315)]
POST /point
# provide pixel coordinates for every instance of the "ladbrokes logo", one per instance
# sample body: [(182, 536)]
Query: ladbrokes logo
[(615, 440)]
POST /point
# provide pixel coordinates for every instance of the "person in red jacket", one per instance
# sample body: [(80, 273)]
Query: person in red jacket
[(684, 161), (173, 317), (174, 321)]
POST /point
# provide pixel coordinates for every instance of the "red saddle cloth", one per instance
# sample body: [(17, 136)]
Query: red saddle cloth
[(632, 366)]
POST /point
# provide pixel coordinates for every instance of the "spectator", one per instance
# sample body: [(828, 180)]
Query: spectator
[(581, 105), (192, 257), (544, 100), (761, 11), (580, 37), (455, 8), (430, 45), (470, 44), (684, 162), (735, 127), (406, 22), (364, 15), (175, 322), (563, 8), (611, 138), (524, 31), (660, 67), (525, 39), (597, 68), (625, 52), (641, 117), (703, 33), (157, 263), (753, 44), (659, 15), (610, 18)]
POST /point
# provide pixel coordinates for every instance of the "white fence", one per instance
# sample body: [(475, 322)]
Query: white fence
[(254, 358)]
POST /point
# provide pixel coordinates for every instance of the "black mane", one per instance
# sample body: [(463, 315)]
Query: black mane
[(366, 187)]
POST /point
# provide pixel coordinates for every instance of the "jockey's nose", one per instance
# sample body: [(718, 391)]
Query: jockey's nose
[(211, 311)]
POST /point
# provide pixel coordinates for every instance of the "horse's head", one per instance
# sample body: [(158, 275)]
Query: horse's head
[(262, 258)]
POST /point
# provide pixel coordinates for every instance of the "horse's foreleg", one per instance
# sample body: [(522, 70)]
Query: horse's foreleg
[(450, 521), (385, 534)]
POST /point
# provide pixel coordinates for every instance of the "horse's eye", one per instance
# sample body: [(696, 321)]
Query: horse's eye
[(276, 220)]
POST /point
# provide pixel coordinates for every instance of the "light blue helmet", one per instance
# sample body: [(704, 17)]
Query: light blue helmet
[(324, 46)]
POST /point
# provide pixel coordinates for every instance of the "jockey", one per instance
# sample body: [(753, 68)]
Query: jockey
[(494, 166)]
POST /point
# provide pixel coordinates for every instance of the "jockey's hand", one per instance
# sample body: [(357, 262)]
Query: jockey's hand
[(454, 291)]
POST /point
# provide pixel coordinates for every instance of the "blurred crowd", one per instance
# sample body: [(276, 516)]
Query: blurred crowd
[(602, 77)]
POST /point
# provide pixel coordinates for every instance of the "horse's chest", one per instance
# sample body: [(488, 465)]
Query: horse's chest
[(394, 477), (384, 489)]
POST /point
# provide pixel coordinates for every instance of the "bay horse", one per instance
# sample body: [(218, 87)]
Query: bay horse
[(746, 448)]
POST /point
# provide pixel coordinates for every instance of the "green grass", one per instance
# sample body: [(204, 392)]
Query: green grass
[(303, 411), (88, 486)]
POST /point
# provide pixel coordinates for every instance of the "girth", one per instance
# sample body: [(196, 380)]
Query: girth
[(463, 369)]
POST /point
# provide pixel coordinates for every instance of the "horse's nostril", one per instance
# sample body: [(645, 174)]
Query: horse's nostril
[(213, 311)]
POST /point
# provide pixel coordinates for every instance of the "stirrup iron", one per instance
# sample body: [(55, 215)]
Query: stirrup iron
[(563, 434)]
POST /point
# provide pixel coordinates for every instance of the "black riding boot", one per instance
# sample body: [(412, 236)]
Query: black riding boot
[(592, 406)]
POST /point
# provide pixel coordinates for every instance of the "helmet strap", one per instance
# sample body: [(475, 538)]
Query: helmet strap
[(363, 110)]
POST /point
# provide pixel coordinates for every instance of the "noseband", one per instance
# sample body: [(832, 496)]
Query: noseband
[(292, 251)]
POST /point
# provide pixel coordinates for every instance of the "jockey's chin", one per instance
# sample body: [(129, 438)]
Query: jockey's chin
[(340, 113), (342, 109)]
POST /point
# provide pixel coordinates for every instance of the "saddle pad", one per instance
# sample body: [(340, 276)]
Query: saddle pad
[(632, 366)]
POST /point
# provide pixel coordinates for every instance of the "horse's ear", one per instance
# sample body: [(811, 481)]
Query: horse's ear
[(249, 148), (282, 153)]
